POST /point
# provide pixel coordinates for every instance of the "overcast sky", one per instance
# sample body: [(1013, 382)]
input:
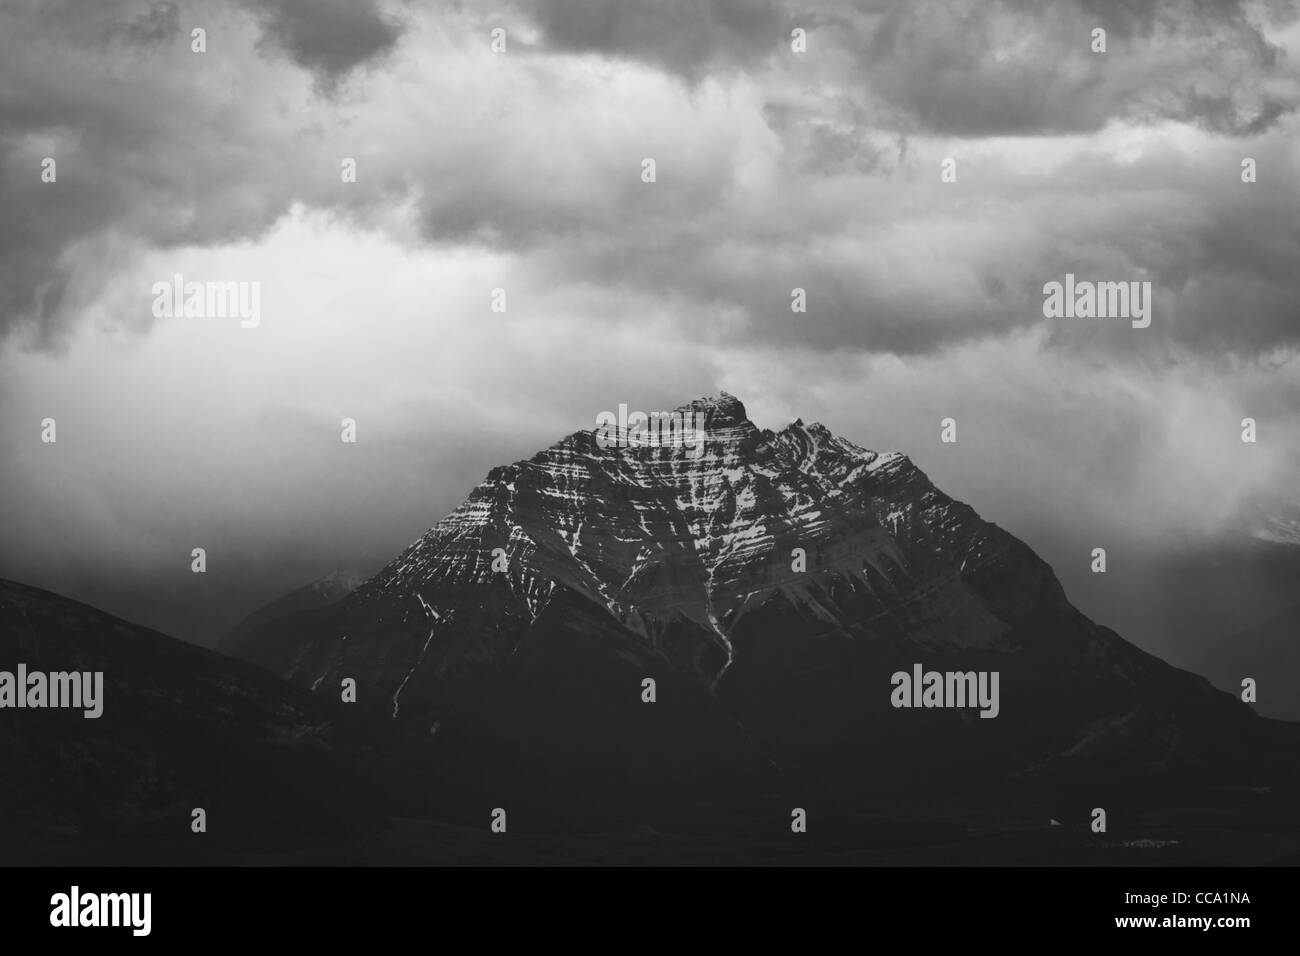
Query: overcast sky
[(523, 170)]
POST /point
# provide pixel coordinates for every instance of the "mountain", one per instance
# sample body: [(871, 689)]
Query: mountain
[(1273, 518), (517, 631), (319, 593), (1192, 601), (1182, 600), (272, 765), (1257, 585), (1269, 653)]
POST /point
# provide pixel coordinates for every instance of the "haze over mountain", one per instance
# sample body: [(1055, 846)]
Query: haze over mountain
[(1267, 653)]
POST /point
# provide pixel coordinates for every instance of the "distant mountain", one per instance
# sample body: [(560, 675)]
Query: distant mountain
[(1274, 519), (622, 563), (1184, 600), (319, 593), (1269, 653), (273, 766)]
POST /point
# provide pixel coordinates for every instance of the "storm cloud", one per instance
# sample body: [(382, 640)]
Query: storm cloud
[(329, 37), (778, 170)]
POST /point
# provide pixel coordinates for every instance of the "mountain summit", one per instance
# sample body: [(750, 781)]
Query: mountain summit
[(773, 587)]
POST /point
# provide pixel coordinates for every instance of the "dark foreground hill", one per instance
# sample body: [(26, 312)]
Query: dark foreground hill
[(273, 766)]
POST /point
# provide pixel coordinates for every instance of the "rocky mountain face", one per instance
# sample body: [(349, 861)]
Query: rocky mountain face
[(771, 586)]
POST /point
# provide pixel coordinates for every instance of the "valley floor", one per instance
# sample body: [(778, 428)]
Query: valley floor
[(1202, 839)]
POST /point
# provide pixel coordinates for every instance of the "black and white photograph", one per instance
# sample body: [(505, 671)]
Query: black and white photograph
[(853, 435)]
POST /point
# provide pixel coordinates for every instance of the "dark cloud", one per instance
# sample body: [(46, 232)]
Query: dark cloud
[(155, 25), (170, 152), (688, 37), (893, 261), (328, 37), (1220, 253), (1022, 68), (1015, 67), (818, 172)]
